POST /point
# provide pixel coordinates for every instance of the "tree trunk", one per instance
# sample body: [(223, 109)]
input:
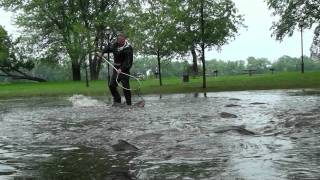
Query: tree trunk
[(19, 75), (95, 63), (94, 68), (76, 71), (194, 61), (31, 78), (94, 74)]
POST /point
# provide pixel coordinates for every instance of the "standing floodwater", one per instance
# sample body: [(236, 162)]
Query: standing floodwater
[(227, 135)]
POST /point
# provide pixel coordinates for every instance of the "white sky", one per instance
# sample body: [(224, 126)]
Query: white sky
[(254, 41), (6, 22)]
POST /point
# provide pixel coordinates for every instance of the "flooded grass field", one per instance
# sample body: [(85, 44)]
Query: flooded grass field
[(226, 135)]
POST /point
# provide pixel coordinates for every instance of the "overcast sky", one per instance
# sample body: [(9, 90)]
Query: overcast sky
[(254, 41)]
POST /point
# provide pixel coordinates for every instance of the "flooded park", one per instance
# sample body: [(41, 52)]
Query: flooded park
[(271, 134)]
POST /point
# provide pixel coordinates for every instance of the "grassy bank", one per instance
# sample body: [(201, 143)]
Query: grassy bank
[(170, 85)]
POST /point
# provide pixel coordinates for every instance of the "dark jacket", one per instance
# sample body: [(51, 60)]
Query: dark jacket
[(123, 57)]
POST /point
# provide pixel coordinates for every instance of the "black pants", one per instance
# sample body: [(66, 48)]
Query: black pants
[(125, 83)]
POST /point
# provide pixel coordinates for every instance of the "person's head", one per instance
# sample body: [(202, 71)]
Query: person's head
[(121, 39)]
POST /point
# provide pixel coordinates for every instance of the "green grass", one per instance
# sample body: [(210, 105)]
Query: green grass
[(170, 85)]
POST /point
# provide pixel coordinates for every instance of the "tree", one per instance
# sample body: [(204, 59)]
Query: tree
[(311, 64), (286, 63), (293, 13), (258, 64), (315, 47), (66, 26), (153, 30), (97, 15), (221, 22), (13, 59), (226, 67), (170, 68), (4, 45)]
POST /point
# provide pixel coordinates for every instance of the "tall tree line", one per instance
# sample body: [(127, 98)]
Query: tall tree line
[(67, 29), (172, 68), (71, 30)]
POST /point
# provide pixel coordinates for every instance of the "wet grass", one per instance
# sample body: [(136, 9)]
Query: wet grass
[(170, 85)]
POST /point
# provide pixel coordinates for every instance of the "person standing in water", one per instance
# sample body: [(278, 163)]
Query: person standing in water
[(123, 58)]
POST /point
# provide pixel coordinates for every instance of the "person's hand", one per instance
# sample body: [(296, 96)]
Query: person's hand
[(99, 54), (119, 71)]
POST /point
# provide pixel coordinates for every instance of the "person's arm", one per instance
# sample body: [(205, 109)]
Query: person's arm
[(128, 59)]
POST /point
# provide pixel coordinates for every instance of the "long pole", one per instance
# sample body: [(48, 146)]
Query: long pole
[(108, 60), (159, 67), (87, 79), (202, 48), (302, 62)]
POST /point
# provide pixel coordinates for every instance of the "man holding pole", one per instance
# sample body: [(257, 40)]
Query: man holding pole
[(123, 58)]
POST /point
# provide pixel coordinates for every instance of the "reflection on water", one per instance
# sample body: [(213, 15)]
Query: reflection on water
[(84, 164), (68, 163), (180, 136)]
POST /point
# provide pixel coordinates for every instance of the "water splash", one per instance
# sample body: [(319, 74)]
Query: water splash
[(79, 100)]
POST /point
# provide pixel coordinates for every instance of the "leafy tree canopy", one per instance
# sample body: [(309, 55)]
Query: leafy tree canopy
[(14, 59), (296, 14)]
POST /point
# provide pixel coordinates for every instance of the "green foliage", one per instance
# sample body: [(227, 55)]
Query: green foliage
[(152, 30), (71, 30), (292, 13), (287, 63), (4, 46), (171, 85), (13, 54), (221, 22), (65, 28), (169, 68), (52, 71), (170, 27), (259, 64), (296, 14), (225, 67), (315, 47)]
